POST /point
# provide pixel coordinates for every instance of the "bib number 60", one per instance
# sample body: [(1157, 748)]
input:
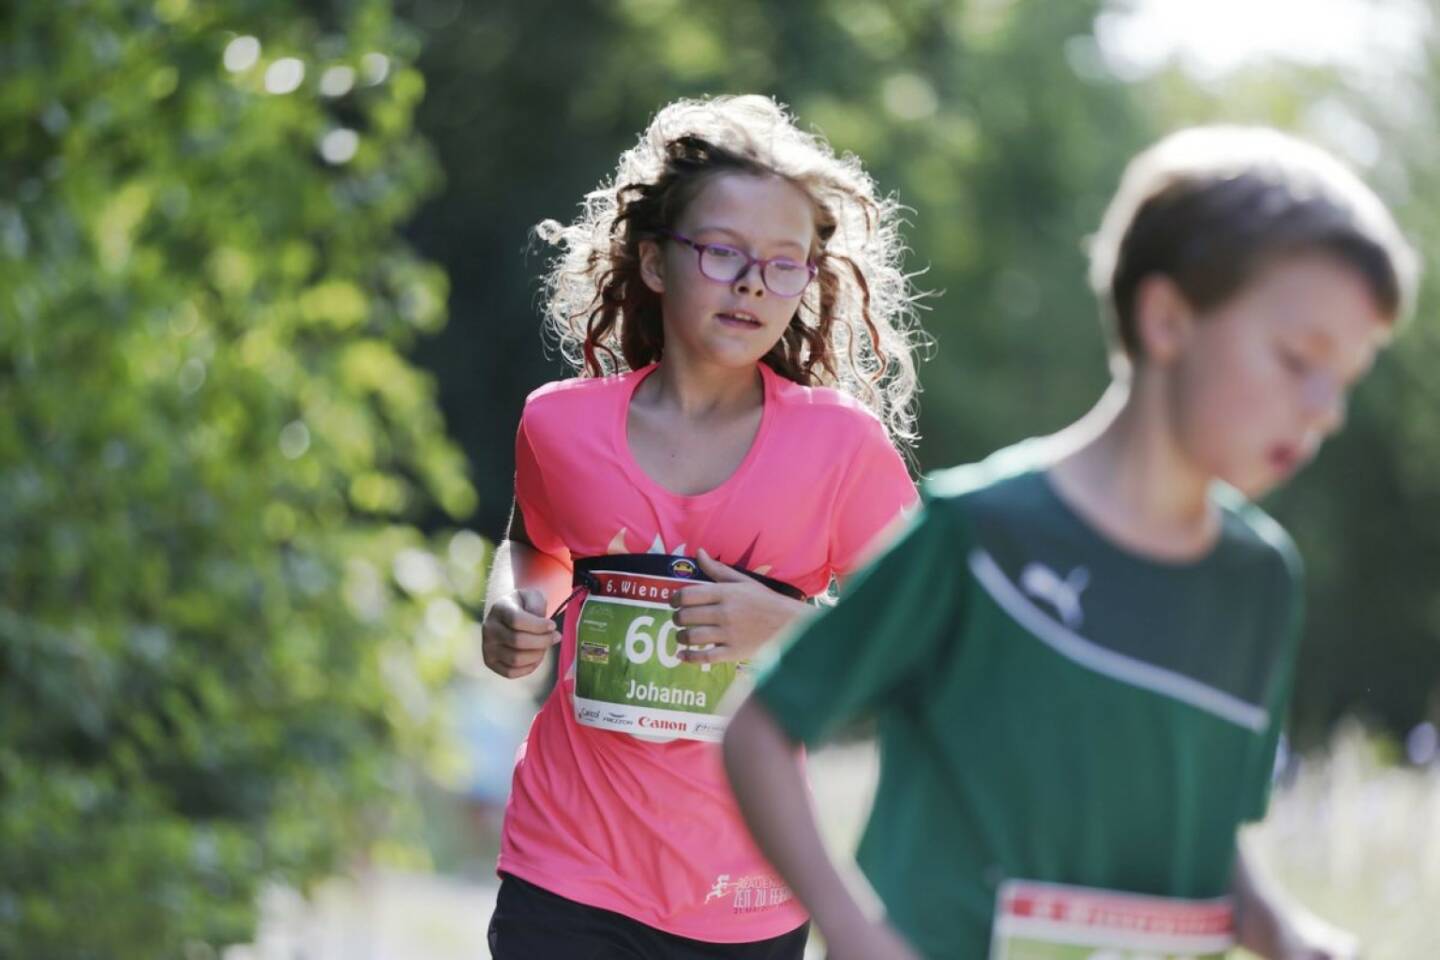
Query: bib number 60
[(640, 645)]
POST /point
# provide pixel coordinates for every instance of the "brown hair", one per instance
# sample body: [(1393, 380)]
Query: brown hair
[(854, 328), (1210, 207)]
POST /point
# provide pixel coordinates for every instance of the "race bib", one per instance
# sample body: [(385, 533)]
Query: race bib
[(628, 673), (1041, 921)]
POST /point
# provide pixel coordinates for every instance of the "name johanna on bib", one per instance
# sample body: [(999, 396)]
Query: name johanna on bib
[(628, 673), (1043, 921)]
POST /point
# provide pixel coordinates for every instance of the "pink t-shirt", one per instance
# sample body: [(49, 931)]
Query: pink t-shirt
[(650, 830)]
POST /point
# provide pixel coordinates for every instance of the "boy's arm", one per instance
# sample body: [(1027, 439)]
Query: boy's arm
[(773, 797), (875, 649), (524, 584), (1272, 926)]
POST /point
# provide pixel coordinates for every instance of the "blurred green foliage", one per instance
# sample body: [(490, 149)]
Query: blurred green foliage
[(219, 630), (1002, 124)]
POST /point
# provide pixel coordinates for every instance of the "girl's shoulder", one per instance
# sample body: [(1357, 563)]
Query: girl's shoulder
[(555, 411), (826, 408), (564, 398), (575, 388)]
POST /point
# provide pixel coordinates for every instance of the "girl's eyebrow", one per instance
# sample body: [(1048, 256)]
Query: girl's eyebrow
[(737, 235)]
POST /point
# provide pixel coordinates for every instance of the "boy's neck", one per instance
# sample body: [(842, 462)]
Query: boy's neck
[(1120, 468), (698, 391)]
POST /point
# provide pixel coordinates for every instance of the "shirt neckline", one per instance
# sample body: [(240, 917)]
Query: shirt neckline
[(638, 476), (1079, 522)]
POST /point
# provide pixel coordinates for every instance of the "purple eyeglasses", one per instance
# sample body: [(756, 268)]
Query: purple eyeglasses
[(726, 264)]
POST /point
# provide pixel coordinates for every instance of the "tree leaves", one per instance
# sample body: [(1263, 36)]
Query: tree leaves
[(209, 423)]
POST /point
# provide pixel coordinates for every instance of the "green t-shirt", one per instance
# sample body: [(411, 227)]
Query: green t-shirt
[(1049, 706)]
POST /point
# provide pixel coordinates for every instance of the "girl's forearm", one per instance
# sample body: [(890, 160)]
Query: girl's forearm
[(519, 566), (775, 802)]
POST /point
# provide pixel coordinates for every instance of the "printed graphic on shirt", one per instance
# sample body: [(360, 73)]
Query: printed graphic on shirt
[(628, 673), (1207, 632), (1063, 594), (1041, 921), (759, 891), (618, 545), (1101, 657)]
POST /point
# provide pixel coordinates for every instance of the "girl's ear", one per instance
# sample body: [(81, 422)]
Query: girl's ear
[(652, 266), (1163, 319)]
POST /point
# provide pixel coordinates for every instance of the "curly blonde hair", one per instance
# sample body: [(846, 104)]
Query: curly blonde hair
[(854, 329)]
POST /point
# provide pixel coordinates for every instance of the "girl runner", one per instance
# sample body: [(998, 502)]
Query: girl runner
[(734, 304)]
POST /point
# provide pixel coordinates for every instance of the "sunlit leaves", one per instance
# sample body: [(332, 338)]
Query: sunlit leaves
[(194, 465)]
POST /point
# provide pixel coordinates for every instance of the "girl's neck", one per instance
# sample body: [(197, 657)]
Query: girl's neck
[(1122, 469), (699, 391)]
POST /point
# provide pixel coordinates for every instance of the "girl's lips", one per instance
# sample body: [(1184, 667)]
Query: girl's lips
[(743, 320)]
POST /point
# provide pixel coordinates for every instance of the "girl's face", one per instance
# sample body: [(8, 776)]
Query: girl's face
[(729, 324), (1263, 380)]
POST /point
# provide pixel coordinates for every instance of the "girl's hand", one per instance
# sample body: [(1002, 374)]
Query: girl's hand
[(732, 617), (516, 633)]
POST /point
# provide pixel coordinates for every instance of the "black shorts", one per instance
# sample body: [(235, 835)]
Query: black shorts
[(534, 924)]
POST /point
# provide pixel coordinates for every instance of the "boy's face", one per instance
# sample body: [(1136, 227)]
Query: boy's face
[(1263, 379)]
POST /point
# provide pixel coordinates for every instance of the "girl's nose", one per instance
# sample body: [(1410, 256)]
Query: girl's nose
[(751, 281)]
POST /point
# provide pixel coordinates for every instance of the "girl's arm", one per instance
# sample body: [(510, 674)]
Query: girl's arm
[(1270, 925), (773, 797), (524, 584)]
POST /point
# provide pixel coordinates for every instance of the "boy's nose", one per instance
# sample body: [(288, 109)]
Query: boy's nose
[(1325, 403)]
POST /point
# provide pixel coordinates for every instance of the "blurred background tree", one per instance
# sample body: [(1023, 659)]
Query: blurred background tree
[(219, 630)]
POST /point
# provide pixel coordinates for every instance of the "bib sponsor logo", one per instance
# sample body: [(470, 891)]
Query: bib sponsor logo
[(662, 723), (683, 567)]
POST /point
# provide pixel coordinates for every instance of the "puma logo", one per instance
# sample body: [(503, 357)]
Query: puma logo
[(1045, 584)]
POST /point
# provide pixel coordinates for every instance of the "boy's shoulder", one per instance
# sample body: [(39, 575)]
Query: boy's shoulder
[(1254, 534), (1005, 480), (1007, 491), (1002, 492)]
